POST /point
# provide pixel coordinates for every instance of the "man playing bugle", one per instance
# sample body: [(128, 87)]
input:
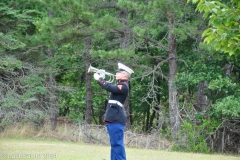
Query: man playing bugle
[(115, 116)]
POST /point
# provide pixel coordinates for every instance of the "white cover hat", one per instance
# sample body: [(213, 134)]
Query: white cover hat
[(122, 67)]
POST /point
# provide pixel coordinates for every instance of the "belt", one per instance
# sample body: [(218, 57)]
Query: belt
[(115, 102)]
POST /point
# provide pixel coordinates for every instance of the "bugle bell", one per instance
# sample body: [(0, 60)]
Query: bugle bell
[(93, 69)]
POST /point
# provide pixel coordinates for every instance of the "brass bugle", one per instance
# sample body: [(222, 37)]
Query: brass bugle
[(93, 69)]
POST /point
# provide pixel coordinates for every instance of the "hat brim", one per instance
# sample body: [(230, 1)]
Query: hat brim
[(120, 70), (122, 67)]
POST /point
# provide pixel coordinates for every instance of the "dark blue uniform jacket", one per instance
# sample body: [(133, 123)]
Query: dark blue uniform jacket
[(119, 92)]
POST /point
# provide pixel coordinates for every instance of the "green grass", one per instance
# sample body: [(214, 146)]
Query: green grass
[(33, 149)]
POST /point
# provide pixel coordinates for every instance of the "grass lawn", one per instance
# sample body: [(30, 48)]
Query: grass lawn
[(32, 149)]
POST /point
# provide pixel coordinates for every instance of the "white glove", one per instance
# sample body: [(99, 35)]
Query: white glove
[(99, 74), (96, 76), (102, 73)]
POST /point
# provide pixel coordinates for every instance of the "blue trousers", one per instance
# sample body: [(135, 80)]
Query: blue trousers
[(116, 134)]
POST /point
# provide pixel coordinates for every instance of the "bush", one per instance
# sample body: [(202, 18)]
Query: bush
[(192, 137)]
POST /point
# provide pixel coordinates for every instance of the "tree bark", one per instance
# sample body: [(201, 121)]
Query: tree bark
[(147, 120), (88, 83), (155, 112), (201, 100), (228, 69), (125, 42), (53, 111), (173, 95)]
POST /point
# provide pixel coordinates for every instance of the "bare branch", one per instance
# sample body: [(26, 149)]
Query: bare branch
[(154, 42)]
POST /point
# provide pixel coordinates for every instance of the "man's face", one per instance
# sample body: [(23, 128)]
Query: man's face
[(120, 75)]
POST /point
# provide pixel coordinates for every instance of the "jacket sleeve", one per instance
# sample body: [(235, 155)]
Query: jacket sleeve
[(118, 89)]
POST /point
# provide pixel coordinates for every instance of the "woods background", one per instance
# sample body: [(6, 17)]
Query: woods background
[(183, 89)]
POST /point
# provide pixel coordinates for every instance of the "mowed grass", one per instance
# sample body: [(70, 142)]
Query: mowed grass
[(33, 149)]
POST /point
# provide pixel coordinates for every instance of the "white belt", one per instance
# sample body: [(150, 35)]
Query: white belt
[(115, 102)]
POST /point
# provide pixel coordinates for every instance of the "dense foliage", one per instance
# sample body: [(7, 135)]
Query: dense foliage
[(224, 21), (46, 47)]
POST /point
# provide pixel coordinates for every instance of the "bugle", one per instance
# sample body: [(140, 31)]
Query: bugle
[(93, 69)]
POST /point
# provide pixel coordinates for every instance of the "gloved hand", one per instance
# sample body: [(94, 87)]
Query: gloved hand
[(96, 76), (99, 74)]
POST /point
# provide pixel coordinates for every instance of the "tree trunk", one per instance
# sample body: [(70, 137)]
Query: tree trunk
[(173, 95), (125, 36), (147, 120), (88, 83), (155, 112), (228, 69), (125, 42), (201, 100), (53, 111)]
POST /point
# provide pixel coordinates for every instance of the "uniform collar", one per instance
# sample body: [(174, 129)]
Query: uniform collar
[(123, 80)]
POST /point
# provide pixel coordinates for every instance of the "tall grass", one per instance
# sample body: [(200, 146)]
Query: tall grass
[(62, 132), (95, 134), (26, 142), (32, 149)]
